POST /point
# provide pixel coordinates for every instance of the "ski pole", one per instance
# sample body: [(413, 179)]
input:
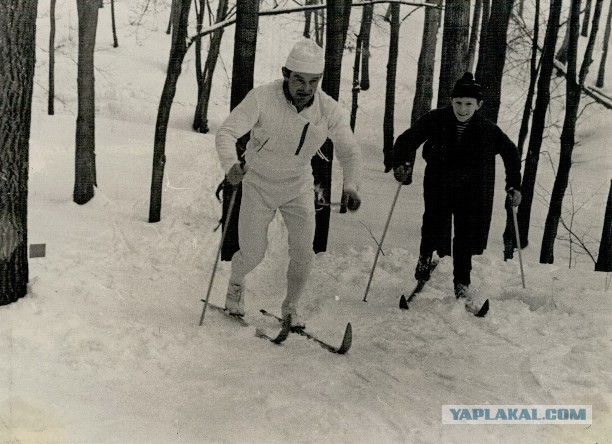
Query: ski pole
[(382, 239), (212, 277), (518, 243)]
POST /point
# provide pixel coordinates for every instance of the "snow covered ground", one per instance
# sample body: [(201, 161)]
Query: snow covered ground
[(106, 347)]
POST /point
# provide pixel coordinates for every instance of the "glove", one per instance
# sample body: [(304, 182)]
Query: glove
[(236, 173), (353, 201), (403, 174), (515, 197)]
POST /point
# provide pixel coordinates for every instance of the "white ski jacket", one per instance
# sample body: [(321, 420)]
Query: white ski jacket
[(283, 141)]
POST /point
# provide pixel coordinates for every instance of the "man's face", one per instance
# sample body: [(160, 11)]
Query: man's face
[(465, 107), (302, 86)]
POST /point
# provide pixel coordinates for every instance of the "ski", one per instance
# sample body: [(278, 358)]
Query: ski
[(404, 301), (237, 318), (481, 313), (282, 334), (344, 346), (260, 333)]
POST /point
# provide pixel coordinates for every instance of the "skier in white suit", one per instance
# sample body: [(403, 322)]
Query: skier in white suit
[(289, 120)]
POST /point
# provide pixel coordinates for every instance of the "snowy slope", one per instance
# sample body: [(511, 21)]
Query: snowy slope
[(106, 347)]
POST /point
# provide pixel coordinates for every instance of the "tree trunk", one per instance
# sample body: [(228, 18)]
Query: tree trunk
[(346, 21), (604, 260), (533, 76), (319, 26), (423, 93), (388, 121), (366, 27), (200, 121), (585, 19), (471, 54), (51, 96), (245, 46), (604, 55), (115, 41), (490, 71), (562, 52), (322, 168), (574, 86), (492, 56), (85, 156), (173, 7), (539, 121), (484, 26), (454, 47), (356, 66), (200, 11), (17, 63), (308, 19), (177, 54)]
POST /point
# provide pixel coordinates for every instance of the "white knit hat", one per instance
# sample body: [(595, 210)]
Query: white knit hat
[(306, 57)]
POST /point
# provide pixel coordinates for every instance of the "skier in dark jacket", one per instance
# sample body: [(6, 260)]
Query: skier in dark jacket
[(460, 149)]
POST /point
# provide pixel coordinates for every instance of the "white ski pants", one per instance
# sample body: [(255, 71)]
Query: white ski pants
[(257, 210)]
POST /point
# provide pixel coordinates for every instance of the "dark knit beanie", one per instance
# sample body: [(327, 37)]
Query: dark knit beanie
[(466, 86)]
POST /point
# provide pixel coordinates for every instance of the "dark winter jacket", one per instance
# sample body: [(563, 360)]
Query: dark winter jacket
[(469, 164)]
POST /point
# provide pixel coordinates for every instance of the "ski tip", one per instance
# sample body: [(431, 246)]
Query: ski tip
[(483, 310), (403, 303), (284, 331), (347, 341)]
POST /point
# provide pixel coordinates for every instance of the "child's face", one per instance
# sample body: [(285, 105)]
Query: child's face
[(465, 107)]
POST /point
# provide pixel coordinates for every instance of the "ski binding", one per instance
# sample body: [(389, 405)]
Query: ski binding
[(344, 346)]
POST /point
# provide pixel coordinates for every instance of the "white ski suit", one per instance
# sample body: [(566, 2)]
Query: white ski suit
[(279, 174)]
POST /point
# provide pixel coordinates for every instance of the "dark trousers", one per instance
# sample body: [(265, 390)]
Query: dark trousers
[(441, 208)]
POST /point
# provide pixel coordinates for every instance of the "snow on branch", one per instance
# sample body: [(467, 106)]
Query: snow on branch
[(594, 93), (290, 9), (276, 11)]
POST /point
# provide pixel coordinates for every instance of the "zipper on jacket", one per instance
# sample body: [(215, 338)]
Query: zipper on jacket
[(262, 145), (303, 138)]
